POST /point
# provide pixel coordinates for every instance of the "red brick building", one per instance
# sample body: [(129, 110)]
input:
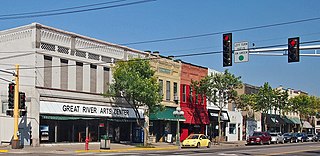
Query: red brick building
[(193, 105)]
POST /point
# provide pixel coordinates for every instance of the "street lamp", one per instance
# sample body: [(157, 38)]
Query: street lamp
[(178, 113)]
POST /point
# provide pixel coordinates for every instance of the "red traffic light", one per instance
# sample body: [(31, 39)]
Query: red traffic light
[(293, 42), (226, 38)]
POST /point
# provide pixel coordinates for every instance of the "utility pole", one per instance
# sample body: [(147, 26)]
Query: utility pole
[(15, 142)]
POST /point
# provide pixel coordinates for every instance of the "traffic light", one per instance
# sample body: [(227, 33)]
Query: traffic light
[(293, 50), (22, 100), (11, 96), (227, 49)]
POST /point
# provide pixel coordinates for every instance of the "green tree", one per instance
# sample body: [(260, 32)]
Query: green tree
[(281, 101), (135, 82), (304, 105), (219, 89), (264, 102)]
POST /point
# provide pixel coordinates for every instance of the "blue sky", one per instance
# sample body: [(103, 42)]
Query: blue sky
[(163, 19)]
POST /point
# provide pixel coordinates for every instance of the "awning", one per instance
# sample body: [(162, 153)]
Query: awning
[(196, 115), (166, 114), (274, 120), (306, 124), (287, 120), (295, 120), (213, 115), (61, 117)]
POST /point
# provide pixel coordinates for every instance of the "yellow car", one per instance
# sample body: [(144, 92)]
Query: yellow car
[(196, 140)]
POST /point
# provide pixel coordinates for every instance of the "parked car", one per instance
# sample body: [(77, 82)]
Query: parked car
[(196, 140), (290, 137), (317, 137), (311, 137), (302, 137), (259, 138), (277, 138)]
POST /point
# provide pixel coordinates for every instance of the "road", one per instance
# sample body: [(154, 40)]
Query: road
[(301, 149)]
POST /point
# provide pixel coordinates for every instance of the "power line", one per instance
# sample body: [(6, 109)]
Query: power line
[(76, 11), (62, 9), (221, 32)]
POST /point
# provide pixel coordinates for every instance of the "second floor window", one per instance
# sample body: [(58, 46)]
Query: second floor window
[(168, 90), (161, 87), (184, 92)]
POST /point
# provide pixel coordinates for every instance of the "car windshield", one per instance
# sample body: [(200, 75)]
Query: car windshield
[(287, 134), (273, 134), (193, 137), (310, 135), (299, 134), (257, 134)]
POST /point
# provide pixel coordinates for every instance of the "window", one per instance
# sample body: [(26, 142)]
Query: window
[(232, 128), (4, 107), (64, 74), (106, 72), (184, 90), (79, 75), (190, 95), (161, 87), (47, 71), (93, 78), (318, 122), (168, 90), (175, 89)]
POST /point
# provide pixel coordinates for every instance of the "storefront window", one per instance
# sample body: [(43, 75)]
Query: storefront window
[(232, 129)]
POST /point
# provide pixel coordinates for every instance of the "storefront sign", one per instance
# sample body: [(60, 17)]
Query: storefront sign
[(58, 108)]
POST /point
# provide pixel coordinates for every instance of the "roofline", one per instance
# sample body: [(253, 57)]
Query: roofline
[(183, 62), (39, 26)]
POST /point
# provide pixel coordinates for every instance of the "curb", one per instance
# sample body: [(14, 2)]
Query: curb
[(4, 151), (127, 149)]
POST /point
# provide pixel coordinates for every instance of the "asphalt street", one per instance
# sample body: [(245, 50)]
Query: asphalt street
[(301, 149)]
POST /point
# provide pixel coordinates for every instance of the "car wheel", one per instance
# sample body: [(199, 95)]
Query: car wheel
[(301, 140), (209, 145), (198, 145), (269, 142), (261, 143), (277, 142)]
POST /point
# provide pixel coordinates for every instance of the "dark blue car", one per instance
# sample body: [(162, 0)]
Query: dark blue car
[(302, 137)]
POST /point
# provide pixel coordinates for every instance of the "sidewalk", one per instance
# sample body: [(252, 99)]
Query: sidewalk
[(71, 148)]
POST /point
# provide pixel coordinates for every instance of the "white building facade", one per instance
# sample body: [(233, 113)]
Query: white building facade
[(63, 75), (231, 120)]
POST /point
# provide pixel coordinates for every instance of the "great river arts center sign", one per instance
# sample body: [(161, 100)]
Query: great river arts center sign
[(58, 108)]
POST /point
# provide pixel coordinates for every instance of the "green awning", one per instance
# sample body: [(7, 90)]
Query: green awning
[(295, 120), (60, 117), (287, 120), (166, 114)]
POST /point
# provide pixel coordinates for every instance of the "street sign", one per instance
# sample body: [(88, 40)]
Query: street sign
[(241, 52)]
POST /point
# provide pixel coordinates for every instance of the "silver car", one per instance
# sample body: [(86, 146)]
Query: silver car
[(277, 138)]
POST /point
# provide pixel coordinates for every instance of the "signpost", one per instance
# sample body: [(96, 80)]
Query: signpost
[(241, 52)]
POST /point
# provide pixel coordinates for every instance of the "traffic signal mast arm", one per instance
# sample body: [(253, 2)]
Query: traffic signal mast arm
[(258, 51)]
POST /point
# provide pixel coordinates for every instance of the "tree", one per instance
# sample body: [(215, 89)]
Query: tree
[(281, 101), (219, 89), (135, 82), (264, 102), (304, 105)]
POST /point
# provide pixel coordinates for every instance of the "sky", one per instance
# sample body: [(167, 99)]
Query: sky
[(168, 19)]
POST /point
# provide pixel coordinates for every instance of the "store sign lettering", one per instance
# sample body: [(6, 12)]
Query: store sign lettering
[(60, 108), (95, 110)]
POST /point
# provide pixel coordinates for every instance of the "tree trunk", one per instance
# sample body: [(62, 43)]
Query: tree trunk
[(301, 126), (219, 123), (265, 121), (146, 131)]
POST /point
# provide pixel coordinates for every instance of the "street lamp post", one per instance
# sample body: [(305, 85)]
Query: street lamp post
[(178, 113)]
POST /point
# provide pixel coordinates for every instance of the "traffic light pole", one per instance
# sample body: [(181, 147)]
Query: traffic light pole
[(15, 142)]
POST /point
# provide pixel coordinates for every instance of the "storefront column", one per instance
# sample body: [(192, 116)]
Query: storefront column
[(87, 130), (72, 133), (56, 131), (130, 131)]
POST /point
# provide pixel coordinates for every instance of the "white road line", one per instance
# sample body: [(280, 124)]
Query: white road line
[(227, 154)]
